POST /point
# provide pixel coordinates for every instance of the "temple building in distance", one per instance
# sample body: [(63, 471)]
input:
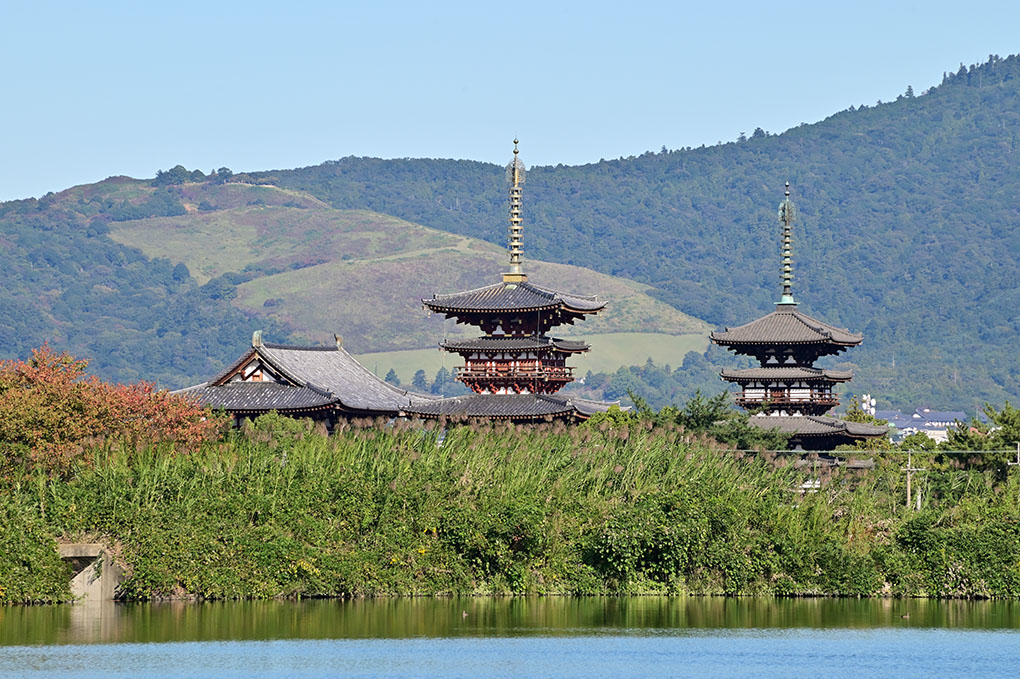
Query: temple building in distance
[(515, 368), (789, 393), (325, 384)]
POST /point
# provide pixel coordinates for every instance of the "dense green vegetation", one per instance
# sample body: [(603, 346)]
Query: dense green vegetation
[(619, 505), (908, 218)]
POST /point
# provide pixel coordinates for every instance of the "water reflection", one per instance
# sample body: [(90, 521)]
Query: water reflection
[(478, 617)]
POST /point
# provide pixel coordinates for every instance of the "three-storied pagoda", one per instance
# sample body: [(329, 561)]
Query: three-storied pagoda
[(791, 394), (515, 368)]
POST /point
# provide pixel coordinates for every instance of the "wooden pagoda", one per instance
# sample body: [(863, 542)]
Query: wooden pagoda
[(786, 390), (515, 367)]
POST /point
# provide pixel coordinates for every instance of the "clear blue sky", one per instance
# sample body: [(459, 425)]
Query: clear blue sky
[(97, 89)]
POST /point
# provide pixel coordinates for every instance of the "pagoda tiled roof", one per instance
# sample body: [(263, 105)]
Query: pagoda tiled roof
[(786, 326), (801, 373), (509, 407), (513, 344), (311, 377), (514, 297), (816, 425)]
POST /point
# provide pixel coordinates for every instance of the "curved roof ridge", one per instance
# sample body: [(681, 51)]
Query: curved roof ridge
[(298, 347), (822, 326), (437, 296), (559, 293), (392, 387)]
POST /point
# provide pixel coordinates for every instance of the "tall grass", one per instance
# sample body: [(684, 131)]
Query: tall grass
[(282, 510)]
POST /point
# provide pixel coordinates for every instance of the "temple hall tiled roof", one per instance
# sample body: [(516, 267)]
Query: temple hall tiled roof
[(816, 425), (786, 326), (308, 378), (509, 407), (799, 373), (259, 396), (513, 344), (513, 297), (335, 370)]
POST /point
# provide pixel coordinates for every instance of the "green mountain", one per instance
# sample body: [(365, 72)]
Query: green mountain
[(165, 280), (909, 227), (908, 231)]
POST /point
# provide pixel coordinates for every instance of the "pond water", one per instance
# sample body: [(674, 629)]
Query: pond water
[(520, 637)]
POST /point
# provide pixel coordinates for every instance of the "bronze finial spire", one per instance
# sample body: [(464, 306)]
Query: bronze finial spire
[(515, 240), (786, 214)]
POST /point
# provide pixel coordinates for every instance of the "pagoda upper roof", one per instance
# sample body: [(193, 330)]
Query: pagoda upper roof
[(786, 325), (306, 378), (511, 344), (801, 373), (817, 425), (521, 296), (509, 407)]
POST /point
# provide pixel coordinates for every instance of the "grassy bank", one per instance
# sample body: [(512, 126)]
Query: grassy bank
[(552, 511)]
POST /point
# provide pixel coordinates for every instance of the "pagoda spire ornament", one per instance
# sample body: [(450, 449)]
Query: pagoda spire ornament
[(786, 215), (515, 231)]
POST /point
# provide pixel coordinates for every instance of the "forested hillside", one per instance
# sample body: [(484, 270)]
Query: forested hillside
[(64, 281), (909, 227)]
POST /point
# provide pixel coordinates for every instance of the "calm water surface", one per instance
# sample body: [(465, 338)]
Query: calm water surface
[(554, 637)]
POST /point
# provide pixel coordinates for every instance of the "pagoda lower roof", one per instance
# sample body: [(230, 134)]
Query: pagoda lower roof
[(778, 373), (817, 425), (513, 297), (510, 344), (786, 326), (520, 407)]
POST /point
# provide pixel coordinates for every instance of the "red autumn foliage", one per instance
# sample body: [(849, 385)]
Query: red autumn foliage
[(53, 413)]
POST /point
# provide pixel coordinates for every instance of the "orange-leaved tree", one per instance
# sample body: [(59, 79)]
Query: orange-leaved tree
[(52, 413)]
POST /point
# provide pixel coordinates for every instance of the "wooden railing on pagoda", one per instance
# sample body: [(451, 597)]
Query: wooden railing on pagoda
[(526, 372), (815, 398)]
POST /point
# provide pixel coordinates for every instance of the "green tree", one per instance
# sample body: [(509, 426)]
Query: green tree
[(419, 382), (392, 378), (855, 413), (442, 379), (918, 441)]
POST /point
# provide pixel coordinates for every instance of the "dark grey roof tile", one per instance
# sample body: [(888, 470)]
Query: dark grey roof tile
[(513, 296), (816, 425), (508, 406), (787, 373), (258, 396), (786, 325)]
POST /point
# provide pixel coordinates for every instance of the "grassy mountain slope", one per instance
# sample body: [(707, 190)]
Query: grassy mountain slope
[(166, 282), (319, 270), (909, 227), (64, 281)]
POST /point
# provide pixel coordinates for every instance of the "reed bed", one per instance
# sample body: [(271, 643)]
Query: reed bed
[(283, 510)]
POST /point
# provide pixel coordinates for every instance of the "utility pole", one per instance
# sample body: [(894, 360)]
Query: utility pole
[(910, 469), (1017, 463)]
